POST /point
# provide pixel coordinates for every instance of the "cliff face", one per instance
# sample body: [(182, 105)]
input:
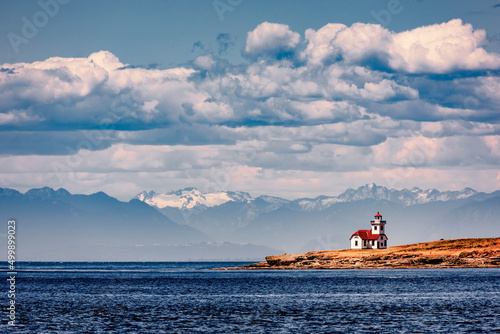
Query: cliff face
[(456, 253)]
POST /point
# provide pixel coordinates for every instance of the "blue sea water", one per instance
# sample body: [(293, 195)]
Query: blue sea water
[(192, 298)]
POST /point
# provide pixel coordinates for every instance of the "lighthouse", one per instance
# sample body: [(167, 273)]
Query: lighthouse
[(371, 239)]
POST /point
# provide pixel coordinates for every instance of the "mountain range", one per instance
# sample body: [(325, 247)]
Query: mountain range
[(327, 222), (189, 198), (54, 225)]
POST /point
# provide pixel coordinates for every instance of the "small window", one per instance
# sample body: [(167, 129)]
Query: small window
[(381, 228), (375, 228), (356, 243)]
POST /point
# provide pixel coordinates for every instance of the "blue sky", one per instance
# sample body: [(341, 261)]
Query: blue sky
[(287, 98)]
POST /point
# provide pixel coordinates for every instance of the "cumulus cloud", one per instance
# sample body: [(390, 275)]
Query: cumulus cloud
[(319, 43), (271, 39), (442, 48), (438, 48), (85, 92)]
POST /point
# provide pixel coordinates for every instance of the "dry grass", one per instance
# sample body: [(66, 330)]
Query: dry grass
[(452, 247)]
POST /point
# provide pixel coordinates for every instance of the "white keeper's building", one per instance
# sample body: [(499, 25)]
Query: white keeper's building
[(371, 239)]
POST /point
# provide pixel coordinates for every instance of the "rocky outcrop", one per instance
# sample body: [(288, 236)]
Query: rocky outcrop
[(456, 253)]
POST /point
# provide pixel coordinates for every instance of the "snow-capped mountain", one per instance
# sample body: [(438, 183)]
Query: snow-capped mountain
[(189, 198), (404, 197)]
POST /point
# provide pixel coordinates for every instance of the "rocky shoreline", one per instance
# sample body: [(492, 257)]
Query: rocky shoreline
[(454, 253)]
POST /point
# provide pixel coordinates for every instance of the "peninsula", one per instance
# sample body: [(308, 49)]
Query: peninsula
[(454, 253)]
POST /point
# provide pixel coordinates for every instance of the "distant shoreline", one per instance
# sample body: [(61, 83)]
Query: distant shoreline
[(452, 253)]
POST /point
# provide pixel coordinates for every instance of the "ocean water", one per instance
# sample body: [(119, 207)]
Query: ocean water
[(192, 298)]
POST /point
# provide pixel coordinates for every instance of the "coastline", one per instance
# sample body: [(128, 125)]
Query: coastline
[(451, 253)]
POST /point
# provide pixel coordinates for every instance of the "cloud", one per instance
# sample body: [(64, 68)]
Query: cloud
[(441, 48), (17, 117), (271, 39), (206, 62), (201, 105), (438, 48), (225, 41), (361, 101), (330, 111), (82, 93), (458, 127), (319, 47), (419, 151), (198, 47)]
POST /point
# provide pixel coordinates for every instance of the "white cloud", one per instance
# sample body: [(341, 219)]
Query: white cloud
[(361, 41), (87, 90), (438, 48), (350, 44), (441, 48), (271, 39), (205, 62), (320, 46), (385, 90)]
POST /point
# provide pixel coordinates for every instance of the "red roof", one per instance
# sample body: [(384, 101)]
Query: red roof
[(366, 235), (378, 214)]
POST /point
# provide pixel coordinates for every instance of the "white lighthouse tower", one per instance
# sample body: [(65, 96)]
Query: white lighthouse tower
[(378, 225)]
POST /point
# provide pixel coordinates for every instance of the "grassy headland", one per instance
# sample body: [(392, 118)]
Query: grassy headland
[(454, 253)]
